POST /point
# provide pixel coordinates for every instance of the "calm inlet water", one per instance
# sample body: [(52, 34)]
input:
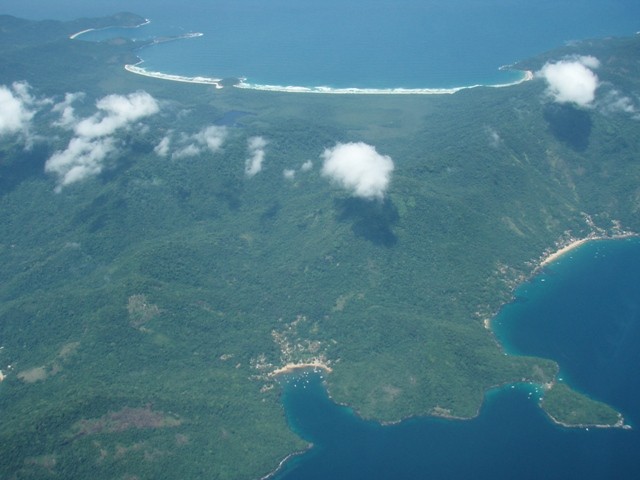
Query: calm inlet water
[(583, 311)]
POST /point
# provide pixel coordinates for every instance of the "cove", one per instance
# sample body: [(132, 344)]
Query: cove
[(583, 311)]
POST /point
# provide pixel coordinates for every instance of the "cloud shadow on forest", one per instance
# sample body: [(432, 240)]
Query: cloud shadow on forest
[(569, 125), (17, 166), (370, 220)]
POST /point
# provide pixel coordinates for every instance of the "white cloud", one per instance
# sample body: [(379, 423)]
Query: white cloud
[(87, 152), (588, 61), (358, 168), (15, 108), (84, 157), (616, 102), (66, 110), (495, 140), (253, 164), (289, 173), (115, 112), (190, 150), (163, 146), (211, 138), (306, 166), (571, 80)]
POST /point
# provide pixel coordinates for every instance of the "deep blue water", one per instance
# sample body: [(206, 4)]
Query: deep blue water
[(354, 43), (583, 311)]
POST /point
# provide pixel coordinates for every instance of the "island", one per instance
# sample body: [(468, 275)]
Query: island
[(163, 266)]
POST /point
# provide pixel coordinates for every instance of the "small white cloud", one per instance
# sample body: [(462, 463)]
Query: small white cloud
[(358, 168), (589, 61), (22, 90), (15, 108), (212, 137), (83, 158), (495, 140), (87, 152), (616, 102), (306, 166), (66, 110), (163, 146), (571, 81), (253, 164), (187, 151), (115, 112), (289, 173)]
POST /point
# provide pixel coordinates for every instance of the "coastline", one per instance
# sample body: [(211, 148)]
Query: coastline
[(77, 34), (619, 424), (216, 82), (553, 256), (548, 257), (437, 412), (293, 367), (73, 36), (527, 75), (562, 248), (275, 471)]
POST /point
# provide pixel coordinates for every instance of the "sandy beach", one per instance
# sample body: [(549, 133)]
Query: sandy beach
[(292, 367), (575, 243), (77, 34), (527, 76), (552, 257), (174, 78), (283, 461)]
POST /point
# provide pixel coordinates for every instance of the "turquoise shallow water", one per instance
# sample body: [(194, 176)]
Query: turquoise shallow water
[(583, 311), (354, 43)]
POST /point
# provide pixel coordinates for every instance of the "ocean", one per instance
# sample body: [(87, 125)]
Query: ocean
[(362, 44), (582, 311)]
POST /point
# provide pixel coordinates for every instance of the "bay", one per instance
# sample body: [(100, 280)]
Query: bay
[(367, 44), (584, 312)]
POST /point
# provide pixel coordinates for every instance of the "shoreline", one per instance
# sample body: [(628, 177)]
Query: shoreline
[(275, 471), (293, 367), (527, 76), (619, 424), (549, 257), (136, 69), (73, 36)]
